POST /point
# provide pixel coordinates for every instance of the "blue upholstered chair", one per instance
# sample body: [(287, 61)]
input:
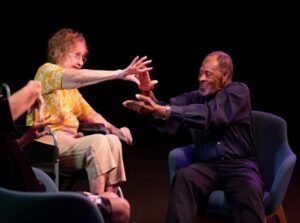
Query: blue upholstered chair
[(51, 206), (277, 162)]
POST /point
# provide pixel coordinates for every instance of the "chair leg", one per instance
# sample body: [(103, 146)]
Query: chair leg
[(278, 214), (120, 192), (71, 184), (56, 173)]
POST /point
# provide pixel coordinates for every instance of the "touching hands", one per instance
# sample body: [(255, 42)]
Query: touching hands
[(38, 109), (40, 128), (137, 66), (37, 130)]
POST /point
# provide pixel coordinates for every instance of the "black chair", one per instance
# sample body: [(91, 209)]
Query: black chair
[(46, 157)]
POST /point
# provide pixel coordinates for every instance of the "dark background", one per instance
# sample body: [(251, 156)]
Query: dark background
[(263, 41)]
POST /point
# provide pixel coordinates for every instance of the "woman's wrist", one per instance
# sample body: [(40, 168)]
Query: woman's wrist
[(119, 74)]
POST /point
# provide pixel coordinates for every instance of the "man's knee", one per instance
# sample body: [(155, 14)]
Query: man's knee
[(250, 194), (182, 175)]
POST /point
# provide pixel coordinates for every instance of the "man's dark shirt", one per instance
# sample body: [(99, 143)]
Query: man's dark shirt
[(220, 124)]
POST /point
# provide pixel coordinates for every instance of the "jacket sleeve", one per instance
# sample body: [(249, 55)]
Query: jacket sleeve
[(222, 109), (6, 121)]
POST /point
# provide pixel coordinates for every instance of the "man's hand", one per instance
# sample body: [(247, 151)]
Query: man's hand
[(146, 84), (145, 105)]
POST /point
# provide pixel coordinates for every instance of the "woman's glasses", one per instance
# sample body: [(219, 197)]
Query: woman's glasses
[(78, 56)]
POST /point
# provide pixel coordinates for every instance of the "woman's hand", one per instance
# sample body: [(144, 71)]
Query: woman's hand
[(138, 65), (123, 134)]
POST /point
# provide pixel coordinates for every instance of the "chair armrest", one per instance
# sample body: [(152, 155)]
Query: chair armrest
[(4, 90), (286, 161), (38, 152), (45, 179), (93, 128), (178, 158)]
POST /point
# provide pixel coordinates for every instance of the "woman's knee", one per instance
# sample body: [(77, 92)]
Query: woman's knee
[(114, 142), (99, 140), (99, 146)]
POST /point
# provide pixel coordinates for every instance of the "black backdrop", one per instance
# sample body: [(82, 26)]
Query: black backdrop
[(261, 40)]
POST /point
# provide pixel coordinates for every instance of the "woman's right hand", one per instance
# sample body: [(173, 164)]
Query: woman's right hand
[(138, 65)]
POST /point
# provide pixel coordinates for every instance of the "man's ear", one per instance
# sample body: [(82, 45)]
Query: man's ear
[(226, 76)]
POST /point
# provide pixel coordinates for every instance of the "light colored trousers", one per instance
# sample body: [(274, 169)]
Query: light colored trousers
[(97, 153)]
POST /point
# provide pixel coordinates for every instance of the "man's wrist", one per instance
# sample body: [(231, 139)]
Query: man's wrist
[(167, 112)]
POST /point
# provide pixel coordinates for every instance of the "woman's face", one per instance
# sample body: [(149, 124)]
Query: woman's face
[(75, 57)]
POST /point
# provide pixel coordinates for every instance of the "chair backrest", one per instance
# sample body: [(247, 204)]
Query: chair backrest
[(277, 160), (33, 207), (50, 206), (270, 134), (4, 90)]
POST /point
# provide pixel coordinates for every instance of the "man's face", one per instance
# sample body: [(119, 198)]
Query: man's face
[(211, 79), (75, 57)]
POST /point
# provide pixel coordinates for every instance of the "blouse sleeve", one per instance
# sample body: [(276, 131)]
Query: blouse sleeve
[(50, 76)]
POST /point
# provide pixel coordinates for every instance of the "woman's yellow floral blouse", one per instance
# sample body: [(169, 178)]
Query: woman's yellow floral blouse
[(65, 106)]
